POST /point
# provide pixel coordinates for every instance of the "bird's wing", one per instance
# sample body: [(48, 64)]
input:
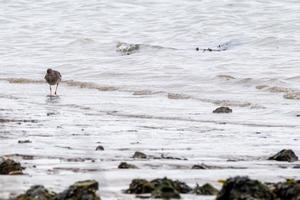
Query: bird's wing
[(58, 74)]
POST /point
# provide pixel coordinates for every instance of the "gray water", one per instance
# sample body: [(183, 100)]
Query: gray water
[(159, 99)]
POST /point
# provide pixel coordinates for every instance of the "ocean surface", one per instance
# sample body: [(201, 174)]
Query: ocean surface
[(133, 81)]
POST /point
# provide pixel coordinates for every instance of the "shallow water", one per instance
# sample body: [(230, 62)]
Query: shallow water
[(158, 100)]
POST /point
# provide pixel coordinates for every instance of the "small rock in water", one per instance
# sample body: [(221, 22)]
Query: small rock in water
[(125, 165), (36, 192), (99, 148), (206, 189), (50, 113), (285, 155), (243, 188), (80, 190), (201, 166), (223, 110), (24, 141), (139, 155), (8, 166), (297, 166)]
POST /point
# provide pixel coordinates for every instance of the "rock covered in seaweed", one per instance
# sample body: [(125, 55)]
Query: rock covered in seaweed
[(8, 166), (288, 190), (140, 186), (80, 190), (206, 189), (179, 186), (285, 155), (159, 188), (36, 192), (243, 188), (165, 191)]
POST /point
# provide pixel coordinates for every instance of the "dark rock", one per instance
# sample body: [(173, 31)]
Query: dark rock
[(139, 155), (165, 192), (223, 110), (206, 189), (99, 148), (181, 187), (50, 113), (24, 141), (297, 166), (159, 188), (285, 155), (140, 186), (201, 166), (81, 190), (289, 190), (243, 188), (125, 165), (8, 166), (36, 192)]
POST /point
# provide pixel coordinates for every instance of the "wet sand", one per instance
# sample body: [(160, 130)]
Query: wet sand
[(64, 132)]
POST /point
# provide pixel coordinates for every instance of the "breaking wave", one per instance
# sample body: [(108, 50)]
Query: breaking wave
[(266, 85), (108, 88)]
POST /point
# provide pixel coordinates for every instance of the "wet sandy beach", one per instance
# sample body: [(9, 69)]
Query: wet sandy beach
[(64, 132)]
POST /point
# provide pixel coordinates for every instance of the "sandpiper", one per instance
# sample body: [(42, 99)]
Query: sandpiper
[(53, 78)]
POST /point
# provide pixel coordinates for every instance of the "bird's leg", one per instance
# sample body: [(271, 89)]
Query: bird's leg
[(50, 90), (56, 88)]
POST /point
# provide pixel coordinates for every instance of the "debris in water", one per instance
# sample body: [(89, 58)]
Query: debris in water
[(24, 141), (127, 49)]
